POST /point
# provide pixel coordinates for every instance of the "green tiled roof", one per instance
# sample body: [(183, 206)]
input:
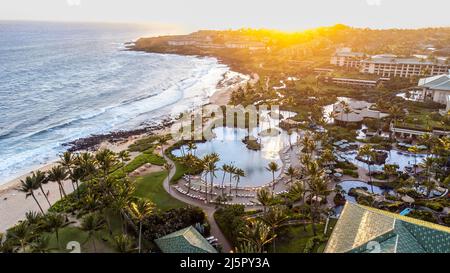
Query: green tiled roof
[(187, 240), (362, 229)]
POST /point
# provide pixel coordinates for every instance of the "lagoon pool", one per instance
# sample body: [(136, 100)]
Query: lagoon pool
[(349, 184), (228, 144), (402, 159)]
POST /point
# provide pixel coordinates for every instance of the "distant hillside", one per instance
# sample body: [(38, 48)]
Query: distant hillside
[(251, 50)]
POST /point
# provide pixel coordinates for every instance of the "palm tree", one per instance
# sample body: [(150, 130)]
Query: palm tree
[(141, 210), (367, 152), (55, 222), (428, 164), (238, 173), (225, 168), (123, 244), (190, 161), (390, 169), (264, 197), (41, 245), (327, 156), (192, 147), (28, 186), (414, 150), (318, 187), (274, 218), (257, 234), (123, 156), (161, 142), (106, 159), (231, 170), (168, 168), (58, 174), (23, 233), (40, 179), (273, 168), (291, 172), (92, 223)]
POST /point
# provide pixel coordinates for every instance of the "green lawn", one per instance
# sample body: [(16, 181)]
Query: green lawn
[(74, 234), (179, 172), (151, 187), (293, 239)]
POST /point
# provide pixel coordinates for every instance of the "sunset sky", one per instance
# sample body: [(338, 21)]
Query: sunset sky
[(209, 14)]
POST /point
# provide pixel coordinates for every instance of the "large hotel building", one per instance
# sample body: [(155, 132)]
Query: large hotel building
[(390, 65)]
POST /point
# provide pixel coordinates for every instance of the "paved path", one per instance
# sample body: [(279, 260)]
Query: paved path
[(209, 209)]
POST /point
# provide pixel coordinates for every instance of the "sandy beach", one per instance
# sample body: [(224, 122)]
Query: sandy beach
[(14, 205)]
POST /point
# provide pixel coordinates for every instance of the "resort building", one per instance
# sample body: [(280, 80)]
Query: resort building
[(187, 240), (362, 229), (436, 88), (250, 45), (408, 131), (352, 82), (355, 111), (344, 57), (391, 66)]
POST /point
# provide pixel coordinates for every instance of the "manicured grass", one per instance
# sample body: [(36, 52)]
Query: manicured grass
[(179, 172), (146, 157), (293, 239), (151, 187), (74, 234)]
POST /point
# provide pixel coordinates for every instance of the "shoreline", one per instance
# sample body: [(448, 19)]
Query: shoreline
[(14, 205)]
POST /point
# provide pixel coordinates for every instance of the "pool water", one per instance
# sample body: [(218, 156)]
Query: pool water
[(402, 159), (228, 144), (349, 184)]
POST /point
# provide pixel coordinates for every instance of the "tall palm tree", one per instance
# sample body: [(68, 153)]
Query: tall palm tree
[(428, 164), (123, 156), (161, 142), (367, 152), (106, 159), (238, 173), (141, 210), (225, 168), (273, 168), (390, 169), (28, 186), (231, 170), (40, 179), (414, 150), (92, 223), (23, 233), (318, 188), (291, 172), (256, 233), (58, 174), (192, 147), (168, 168), (55, 222), (274, 218), (264, 197), (190, 161)]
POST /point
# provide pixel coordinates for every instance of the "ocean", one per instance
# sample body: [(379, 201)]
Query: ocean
[(63, 81)]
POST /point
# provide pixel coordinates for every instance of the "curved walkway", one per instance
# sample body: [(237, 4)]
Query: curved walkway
[(209, 209)]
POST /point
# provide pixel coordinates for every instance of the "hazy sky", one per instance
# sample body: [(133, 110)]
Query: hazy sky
[(212, 14)]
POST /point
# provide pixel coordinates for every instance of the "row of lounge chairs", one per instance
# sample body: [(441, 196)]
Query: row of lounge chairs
[(194, 196)]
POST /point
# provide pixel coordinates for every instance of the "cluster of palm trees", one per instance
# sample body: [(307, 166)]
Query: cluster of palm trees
[(100, 188), (207, 165), (308, 190)]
